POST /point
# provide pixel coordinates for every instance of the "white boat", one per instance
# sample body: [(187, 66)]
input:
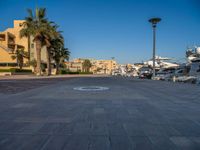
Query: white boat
[(161, 62), (193, 57), (193, 54)]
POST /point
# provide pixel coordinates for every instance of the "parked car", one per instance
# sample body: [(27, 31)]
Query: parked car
[(116, 73), (145, 73)]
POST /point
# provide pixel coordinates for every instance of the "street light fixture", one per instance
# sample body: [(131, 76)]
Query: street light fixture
[(154, 22)]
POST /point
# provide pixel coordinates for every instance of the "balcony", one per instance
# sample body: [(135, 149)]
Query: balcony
[(2, 37)]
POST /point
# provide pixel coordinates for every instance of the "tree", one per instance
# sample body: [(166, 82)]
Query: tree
[(58, 52), (53, 35), (87, 65), (33, 63), (19, 55), (36, 25), (60, 56)]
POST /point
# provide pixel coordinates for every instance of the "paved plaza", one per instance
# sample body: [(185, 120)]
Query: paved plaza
[(129, 114)]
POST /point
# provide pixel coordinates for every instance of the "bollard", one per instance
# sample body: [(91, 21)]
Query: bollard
[(174, 78)]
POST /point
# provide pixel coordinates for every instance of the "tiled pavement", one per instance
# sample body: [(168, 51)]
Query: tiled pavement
[(131, 115)]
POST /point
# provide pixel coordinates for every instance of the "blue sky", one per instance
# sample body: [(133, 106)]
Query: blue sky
[(103, 29)]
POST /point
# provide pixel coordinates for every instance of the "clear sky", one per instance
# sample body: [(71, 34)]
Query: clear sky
[(103, 29)]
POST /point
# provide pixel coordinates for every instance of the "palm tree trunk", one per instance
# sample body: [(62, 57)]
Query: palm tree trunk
[(21, 61), (29, 49), (57, 67), (38, 52), (48, 62)]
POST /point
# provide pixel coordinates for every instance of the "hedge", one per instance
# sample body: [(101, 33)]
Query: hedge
[(70, 72), (4, 70), (22, 70), (85, 72), (14, 70)]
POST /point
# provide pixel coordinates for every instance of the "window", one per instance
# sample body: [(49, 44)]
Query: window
[(198, 69), (32, 45), (2, 37), (8, 64), (181, 71)]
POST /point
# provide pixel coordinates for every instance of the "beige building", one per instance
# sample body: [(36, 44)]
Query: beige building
[(74, 66), (10, 41), (103, 66), (98, 66)]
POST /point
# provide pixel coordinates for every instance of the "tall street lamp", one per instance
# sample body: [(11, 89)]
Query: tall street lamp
[(154, 21)]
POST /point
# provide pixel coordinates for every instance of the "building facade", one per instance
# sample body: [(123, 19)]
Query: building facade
[(74, 66), (10, 41), (98, 66), (103, 66)]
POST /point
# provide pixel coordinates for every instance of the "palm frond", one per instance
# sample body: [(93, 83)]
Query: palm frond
[(30, 13)]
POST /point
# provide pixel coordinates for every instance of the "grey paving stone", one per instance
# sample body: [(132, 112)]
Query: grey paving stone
[(116, 129), (196, 141), (184, 143), (82, 128), (57, 142), (133, 129), (11, 127), (99, 143), (162, 143), (49, 128), (132, 114), (187, 129), (141, 143), (65, 129), (30, 128), (35, 142), (121, 143), (99, 110), (10, 142), (99, 128), (77, 142)]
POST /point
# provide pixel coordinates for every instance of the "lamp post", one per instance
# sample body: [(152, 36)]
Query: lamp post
[(154, 22)]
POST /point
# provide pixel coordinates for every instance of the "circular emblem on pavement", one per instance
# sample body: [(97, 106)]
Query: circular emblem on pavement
[(91, 88)]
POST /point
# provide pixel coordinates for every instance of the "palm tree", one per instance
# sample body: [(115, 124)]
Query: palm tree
[(33, 63), (87, 65), (60, 56), (19, 55), (36, 26), (53, 35), (58, 52)]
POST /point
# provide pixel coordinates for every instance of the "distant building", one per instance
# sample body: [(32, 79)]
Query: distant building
[(103, 66), (137, 66), (10, 41), (74, 66), (98, 66)]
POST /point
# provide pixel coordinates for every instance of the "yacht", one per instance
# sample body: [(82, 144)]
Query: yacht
[(161, 62)]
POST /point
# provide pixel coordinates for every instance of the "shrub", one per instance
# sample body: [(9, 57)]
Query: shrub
[(63, 71), (73, 72), (85, 72), (14, 70), (18, 70), (33, 63), (4, 70)]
